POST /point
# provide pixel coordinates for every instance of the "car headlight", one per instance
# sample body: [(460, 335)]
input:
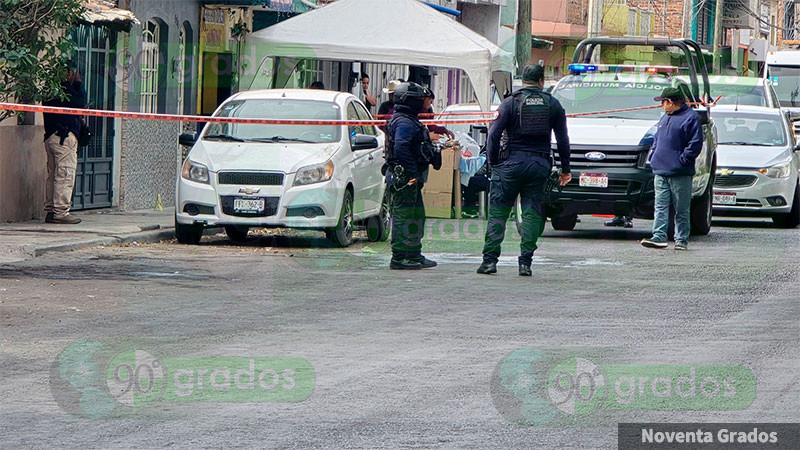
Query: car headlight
[(644, 158), (778, 170), (194, 171), (314, 174)]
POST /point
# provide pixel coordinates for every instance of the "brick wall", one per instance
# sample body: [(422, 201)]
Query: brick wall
[(674, 11), (148, 164), (577, 12)]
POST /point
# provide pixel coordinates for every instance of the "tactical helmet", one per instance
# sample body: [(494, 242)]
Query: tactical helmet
[(406, 93)]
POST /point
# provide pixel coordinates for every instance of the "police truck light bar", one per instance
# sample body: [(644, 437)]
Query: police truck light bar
[(578, 69)]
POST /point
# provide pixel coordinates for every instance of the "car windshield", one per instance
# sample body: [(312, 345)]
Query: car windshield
[(733, 94), (579, 95), (277, 109), (749, 129), (786, 82)]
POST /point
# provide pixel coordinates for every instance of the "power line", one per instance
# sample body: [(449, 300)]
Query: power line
[(759, 19)]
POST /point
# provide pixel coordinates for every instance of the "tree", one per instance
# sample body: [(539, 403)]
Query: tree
[(35, 44)]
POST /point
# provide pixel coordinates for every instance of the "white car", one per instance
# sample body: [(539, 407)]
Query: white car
[(322, 177), (757, 164), (737, 90)]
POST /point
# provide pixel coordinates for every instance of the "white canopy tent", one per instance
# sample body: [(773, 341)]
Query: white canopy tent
[(386, 31)]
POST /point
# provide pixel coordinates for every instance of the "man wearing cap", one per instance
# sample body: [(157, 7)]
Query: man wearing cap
[(676, 144), (522, 165), (61, 133)]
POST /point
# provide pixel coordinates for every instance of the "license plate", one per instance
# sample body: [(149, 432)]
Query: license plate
[(248, 204), (589, 179), (724, 198)]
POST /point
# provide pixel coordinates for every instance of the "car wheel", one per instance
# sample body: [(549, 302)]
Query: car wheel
[(700, 216), (342, 235), (188, 234), (378, 227), (237, 233), (564, 222), (792, 218)]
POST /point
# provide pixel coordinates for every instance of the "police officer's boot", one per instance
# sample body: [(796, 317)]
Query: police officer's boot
[(487, 268), (525, 270), (404, 264), (425, 262)]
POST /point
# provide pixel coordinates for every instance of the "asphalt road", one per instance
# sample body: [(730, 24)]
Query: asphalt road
[(434, 358)]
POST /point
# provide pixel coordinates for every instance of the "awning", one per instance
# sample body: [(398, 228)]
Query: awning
[(385, 31), (541, 43), (105, 13)]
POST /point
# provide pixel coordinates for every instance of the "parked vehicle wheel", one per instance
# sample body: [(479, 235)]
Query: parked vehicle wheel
[(518, 215), (188, 234), (237, 233), (564, 222), (792, 218), (700, 216), (379, 227), (342, 234)]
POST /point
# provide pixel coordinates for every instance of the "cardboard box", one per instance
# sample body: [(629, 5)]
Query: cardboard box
[(442, 180), (438, 204)]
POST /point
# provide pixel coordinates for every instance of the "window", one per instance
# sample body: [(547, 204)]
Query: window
[(353, 115), (180, 69), (632, 22), (644, 24), (148, 97), (759, 130), (277, 109), (363, 114)]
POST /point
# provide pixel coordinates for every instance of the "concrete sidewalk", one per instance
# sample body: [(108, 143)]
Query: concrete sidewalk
[(22, 240)]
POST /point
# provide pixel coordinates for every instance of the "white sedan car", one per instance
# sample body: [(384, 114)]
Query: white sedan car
[(757, 167), (323, 177)]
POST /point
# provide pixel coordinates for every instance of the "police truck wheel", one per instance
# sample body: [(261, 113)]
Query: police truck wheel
[(188, 234), (378, 227), (564, 222), (236, 233), (700, 216), (792, 218), (342, 234)]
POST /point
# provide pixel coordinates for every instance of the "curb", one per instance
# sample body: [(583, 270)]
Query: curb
[(143, 237)]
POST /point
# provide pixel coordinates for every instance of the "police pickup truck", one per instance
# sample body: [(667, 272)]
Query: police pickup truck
[(610, 150)]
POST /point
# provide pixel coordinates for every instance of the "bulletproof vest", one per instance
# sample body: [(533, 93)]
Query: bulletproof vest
[(533, 112), (426, 147)]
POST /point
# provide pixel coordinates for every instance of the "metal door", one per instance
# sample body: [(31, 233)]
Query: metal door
[(93, 178)]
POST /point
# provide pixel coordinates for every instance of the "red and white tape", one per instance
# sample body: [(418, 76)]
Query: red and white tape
[(213, 119), (217, 119)]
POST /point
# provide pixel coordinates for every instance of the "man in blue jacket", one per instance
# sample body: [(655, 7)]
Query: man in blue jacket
[(677, 143)]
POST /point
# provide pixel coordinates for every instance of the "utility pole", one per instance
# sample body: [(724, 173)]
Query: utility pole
[(717, 37), (595, 25), (523, 41)]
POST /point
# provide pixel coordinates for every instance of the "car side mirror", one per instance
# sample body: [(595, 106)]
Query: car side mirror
[(704, 116), (796, 148), (363, 142), (187, 139)]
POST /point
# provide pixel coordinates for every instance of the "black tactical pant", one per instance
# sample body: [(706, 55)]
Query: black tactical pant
[(408, 222), (526, 179)]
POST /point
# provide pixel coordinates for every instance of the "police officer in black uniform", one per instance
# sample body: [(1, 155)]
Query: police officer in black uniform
[(409, 153), (521, 165)]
